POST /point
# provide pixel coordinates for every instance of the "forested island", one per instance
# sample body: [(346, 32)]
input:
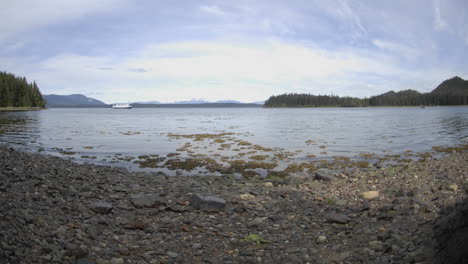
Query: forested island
[(450, 92), (17, 92)]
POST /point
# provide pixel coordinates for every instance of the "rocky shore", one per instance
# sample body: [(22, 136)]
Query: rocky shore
[(57, 211)]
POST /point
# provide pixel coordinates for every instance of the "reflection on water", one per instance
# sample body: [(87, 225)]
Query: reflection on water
[(108, 135)]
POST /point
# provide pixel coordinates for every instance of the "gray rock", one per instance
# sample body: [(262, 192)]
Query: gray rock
[(147, 200), (292, 259), (101, 207), (196, 246), (172, 254), (207, 203), (324, 175), (84, 261), (117, 261), (333, 217)]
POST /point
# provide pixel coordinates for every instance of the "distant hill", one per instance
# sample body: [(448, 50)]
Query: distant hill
[(193, 101), (450, 92), (54, 100), (452, 87), (197, 105), (405, 97)]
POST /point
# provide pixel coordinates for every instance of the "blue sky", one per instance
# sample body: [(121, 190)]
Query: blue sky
[(127, 50)]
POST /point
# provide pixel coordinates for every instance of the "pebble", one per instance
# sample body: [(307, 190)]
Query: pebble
[(117, 261), (370, 194), (321, 239)]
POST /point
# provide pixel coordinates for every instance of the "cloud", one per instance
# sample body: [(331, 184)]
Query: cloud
[(439, 23), (398, 49), (217, 70), (22, 16), (137, 70), (214, 10)]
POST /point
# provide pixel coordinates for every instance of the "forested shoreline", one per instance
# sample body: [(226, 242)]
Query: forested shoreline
[(449, 92), (17, 92)]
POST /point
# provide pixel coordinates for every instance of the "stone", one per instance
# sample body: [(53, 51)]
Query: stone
[(268, 184), (292, 259), (333, 217), (452, 187), (136, 225), (147, 200), (370, 194), (117, 261), (101, 207), (324, 175), (207, 203), (321, 239), (76, 252), (196, 246), (172, 254), (246, 196), (84, 261)]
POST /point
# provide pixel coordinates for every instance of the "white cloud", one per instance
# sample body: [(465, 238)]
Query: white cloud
[(22, 16), (398, 49), (439, 23), (214, 70), (214, 10)]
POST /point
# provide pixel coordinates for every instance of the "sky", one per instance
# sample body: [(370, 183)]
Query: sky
[(245, 50)]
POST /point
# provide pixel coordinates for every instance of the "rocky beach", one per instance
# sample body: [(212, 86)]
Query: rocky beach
[(55, 211)]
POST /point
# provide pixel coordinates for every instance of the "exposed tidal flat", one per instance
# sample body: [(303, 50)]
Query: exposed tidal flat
[(244, 142), (57, 211)]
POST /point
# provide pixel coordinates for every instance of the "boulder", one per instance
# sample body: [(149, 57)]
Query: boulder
[(101, 207), (324, 175), (207, 203), (334, 217)]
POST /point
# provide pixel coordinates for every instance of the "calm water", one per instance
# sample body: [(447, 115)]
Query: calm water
[(107, 134)]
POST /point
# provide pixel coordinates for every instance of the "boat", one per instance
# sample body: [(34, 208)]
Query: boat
[(122, 106)]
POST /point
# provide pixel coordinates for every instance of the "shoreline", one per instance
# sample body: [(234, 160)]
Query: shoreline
[(64, 212), (11, 109)]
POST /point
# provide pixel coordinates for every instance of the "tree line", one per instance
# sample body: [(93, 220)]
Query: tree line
[(17, 92), (403, 98), (450, 92)]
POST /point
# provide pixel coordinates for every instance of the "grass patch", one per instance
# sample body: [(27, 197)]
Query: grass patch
[(255, 239)]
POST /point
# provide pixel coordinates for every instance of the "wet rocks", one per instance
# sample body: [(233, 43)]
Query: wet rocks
[(334, 217), (101, 207), (207, 203), (324, 175), (146, 200), (59, 212)]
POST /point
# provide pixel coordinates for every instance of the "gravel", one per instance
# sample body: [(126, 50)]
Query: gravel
[(55, 211)]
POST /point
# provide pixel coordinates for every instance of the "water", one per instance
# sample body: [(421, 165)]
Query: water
[(120, 136)]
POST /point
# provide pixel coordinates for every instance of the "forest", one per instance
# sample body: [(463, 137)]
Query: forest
[(450, 92), (17, 92)]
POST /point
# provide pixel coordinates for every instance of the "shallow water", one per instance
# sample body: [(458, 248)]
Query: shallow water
[(108, 135)]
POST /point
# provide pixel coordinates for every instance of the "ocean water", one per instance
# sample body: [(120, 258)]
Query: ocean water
[(109, 136)]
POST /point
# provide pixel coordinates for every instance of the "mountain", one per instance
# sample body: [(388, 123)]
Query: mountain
[(228, 102), (452, 87), (147, 102), (405, 97), (54, 100), (193, 101)]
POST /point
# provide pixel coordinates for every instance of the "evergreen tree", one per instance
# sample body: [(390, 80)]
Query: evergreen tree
[(17, 92)]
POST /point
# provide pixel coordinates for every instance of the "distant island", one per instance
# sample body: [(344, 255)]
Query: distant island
[(450, 92), (82, 101), (16, 92), (72, 100)]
